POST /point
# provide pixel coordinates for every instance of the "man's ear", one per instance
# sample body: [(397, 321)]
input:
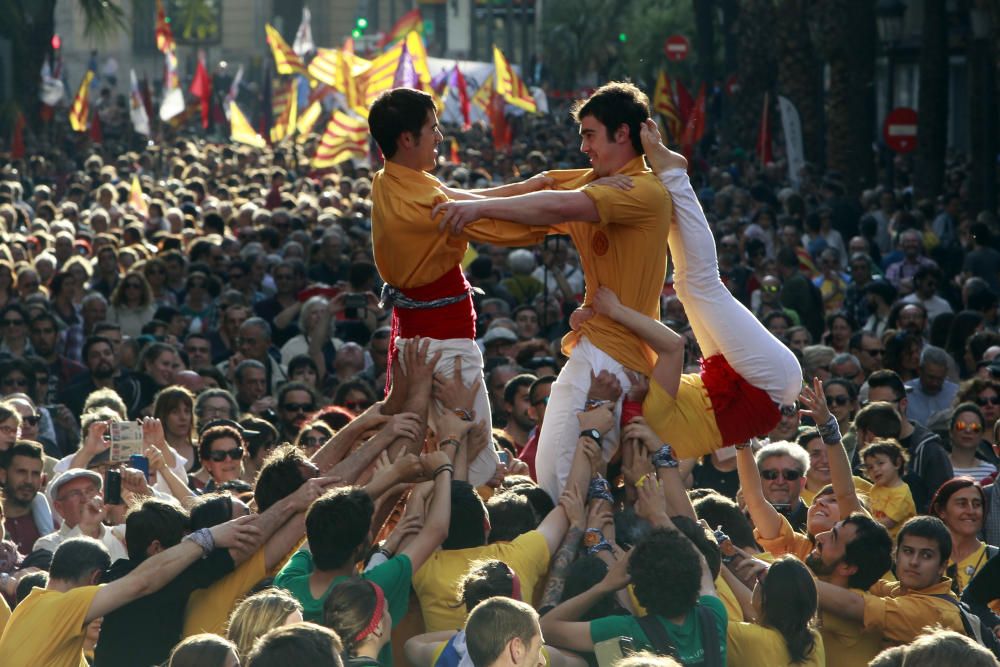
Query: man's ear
[(516, 649), (846, 569), (623, 134)]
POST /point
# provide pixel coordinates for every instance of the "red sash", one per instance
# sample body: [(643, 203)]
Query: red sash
[(742, 411)]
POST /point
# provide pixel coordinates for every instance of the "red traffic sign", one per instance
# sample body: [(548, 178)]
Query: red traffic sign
[(900, 129), (732, 85), (677, 48)]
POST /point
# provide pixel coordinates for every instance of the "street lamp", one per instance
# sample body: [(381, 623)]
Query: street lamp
[(889, 20)]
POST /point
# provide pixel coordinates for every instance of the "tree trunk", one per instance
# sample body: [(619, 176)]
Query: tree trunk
[(982, 56), (847, 39), (932, 121), (800, 74), (29, 25), (704, 15), (757, 70)]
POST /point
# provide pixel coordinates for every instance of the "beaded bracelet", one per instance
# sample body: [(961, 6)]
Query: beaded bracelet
[(204, 539), (599, 488)]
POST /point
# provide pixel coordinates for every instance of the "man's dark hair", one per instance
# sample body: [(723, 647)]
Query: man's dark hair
[(496, 622), (540, 501), (537, 384), (297, 644), (337, 524), (26, 448), (718, 510), (511, 515), (77, 558), (870, 551), (788, 258), (279, 476), (708, 547), (44, 317), (154, 520), (395, 112), (887, 378), (667, 587), (515, 383), (284, 390), (468, 516), (615, 104), (211, 510), (91, 342), (931, 528), (879, 418)]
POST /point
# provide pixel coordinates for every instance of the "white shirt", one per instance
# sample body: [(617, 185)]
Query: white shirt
[(107, 537)]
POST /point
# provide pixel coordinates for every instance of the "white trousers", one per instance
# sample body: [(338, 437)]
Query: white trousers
[(485, 465), (560, 428), (721, 324)]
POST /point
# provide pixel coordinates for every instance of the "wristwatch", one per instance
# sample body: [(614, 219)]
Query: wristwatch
[(591, 433)]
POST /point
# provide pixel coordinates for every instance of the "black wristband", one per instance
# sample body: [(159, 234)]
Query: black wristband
[(591, 433)]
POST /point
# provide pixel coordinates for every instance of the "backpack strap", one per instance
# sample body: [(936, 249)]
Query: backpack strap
[(709, 637), (657, 635)]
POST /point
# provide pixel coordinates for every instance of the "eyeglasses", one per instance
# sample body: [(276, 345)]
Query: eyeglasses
[(771, 288), (787, 475), (990, 400), (875, 351), (15, 382), (9, 430), (972, 427), (236, 453), (32, 420), (12, 323), (357, 405), (840, 401), (298, 407)]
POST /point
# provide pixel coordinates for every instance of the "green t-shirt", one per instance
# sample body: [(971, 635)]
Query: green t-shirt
[(393, 576), (685, 636)]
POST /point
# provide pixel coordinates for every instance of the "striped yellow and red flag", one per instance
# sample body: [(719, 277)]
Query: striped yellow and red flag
[(135, 198), (79, 112), (664, 104), (380, 76), (286, 61), (481, 100), (307, 120), (345, 137), (285, 110), (164, 35), (409, 22), (240, 129), (510, 86), (342, 71)]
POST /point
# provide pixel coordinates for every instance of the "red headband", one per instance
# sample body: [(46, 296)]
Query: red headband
[(376, 614)]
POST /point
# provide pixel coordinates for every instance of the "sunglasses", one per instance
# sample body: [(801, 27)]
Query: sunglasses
[(298, 407), (32, 420), (875, 352), (787, 475), (236, 453), (771, 288), (973, 427), (992, 400), (16, 382), (840, 401), (13, 323)]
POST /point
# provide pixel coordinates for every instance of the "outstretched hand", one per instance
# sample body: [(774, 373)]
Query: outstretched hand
[(814, 402), (660, 157), (457, 214)]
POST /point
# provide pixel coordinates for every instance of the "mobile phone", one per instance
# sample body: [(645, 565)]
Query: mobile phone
[(137, 462), (504, 457), (113, 487), (352, 302)]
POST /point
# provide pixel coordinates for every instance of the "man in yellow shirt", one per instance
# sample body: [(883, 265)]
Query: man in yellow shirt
[(621, 236), (49, 626), (922, 597), (420, 266)]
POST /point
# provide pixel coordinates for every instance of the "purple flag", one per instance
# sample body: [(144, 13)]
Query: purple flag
[(406, 73)]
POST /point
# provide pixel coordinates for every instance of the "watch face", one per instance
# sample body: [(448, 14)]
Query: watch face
[(591, 539)]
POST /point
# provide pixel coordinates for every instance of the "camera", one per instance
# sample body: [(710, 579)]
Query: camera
[(354, 302)]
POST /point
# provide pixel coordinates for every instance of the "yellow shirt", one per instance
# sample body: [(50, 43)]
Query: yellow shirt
[(47, 629), (902, 616), (861, 485), (787, 542), (208, 609), (895, 502), (436, 582), (626, 251), (725, 594), (687, 422), (4, 614), (751, 645), (409, 250), (847, 642), (968, 568)]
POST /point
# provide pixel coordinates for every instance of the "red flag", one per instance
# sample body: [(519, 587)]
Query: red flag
[(695, 128), (17, 141), (463, 98), (96, 133), (455, 156), (685, 103), (201, 87), (502, 135), (764, 153), (164, 35)]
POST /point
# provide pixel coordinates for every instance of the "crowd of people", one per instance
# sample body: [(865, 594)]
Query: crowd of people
[(462, 410)]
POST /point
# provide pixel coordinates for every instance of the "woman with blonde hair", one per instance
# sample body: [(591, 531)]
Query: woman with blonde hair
[(260, 613), (131, 304)]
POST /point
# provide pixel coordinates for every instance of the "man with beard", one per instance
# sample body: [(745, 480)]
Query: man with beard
[(21, 476), (296, 402), (517, 404), (44, 337), (101, 362)]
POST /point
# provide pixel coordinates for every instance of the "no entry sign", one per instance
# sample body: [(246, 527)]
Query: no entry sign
[(677, 47), (900, 130)]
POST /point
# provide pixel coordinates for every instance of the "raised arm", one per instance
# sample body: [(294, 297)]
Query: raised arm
[(157, 571), (765, 518), (405, 425), (533, 184), (435, 529), (841, 601), (283, 524), (814, 401)]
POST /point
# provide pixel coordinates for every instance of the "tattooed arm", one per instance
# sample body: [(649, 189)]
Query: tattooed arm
[(573, 504)]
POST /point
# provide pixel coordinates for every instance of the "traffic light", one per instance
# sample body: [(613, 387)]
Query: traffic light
[(359, 27), (622, 37)]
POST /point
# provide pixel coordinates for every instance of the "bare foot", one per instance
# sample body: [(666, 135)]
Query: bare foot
[(660, 157)]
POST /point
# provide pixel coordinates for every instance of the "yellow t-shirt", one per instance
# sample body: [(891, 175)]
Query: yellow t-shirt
[(751, 645), (687, 422), (47, 629), (902, 617), (787, 542), (894, 502), (725, 594), (847, 642), (626, 251), (208, 609), (409, 250), (4, 614), (436, 582), (969, 566), (861, 485)]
